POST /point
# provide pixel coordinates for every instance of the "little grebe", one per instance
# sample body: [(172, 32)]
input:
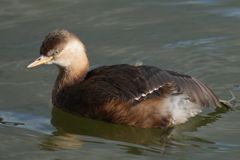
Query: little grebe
[(133, 95)]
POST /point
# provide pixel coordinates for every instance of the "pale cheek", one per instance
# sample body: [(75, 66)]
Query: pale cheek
[(61, 62)]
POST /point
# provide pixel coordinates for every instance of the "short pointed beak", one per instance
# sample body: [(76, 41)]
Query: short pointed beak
[(39, 61)]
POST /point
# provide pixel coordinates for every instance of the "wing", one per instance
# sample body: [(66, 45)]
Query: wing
[(139, 83), (117, 81), (196, 90)]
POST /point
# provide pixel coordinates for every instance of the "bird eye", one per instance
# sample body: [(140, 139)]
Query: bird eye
[(56, 52)]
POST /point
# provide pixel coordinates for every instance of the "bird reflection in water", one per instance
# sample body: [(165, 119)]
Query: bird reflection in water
[(72, 131)]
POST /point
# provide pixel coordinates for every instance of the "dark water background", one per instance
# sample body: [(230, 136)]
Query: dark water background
[(197, 37)]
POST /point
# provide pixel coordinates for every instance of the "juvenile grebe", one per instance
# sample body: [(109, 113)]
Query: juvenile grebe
[(133, 95)]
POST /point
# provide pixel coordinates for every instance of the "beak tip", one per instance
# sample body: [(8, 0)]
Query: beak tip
[(29, 66)]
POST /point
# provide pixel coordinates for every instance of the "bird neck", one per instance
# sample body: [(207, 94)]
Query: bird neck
[(73, 74)]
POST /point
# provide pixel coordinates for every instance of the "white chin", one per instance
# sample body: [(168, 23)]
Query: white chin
[(50, 62)]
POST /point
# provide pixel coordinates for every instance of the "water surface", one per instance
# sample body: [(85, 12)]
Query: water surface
[(197, 37)]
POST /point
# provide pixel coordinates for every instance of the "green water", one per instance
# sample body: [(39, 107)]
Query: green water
[(197, 37)]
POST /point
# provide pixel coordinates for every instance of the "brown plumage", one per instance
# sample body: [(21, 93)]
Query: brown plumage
[(134, 95)]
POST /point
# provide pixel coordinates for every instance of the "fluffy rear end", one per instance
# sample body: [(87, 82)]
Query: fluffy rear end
[(181, 108)]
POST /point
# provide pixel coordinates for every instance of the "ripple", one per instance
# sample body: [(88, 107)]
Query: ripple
[(194, 42), (197, 2), (227, 12), (26, 121)]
